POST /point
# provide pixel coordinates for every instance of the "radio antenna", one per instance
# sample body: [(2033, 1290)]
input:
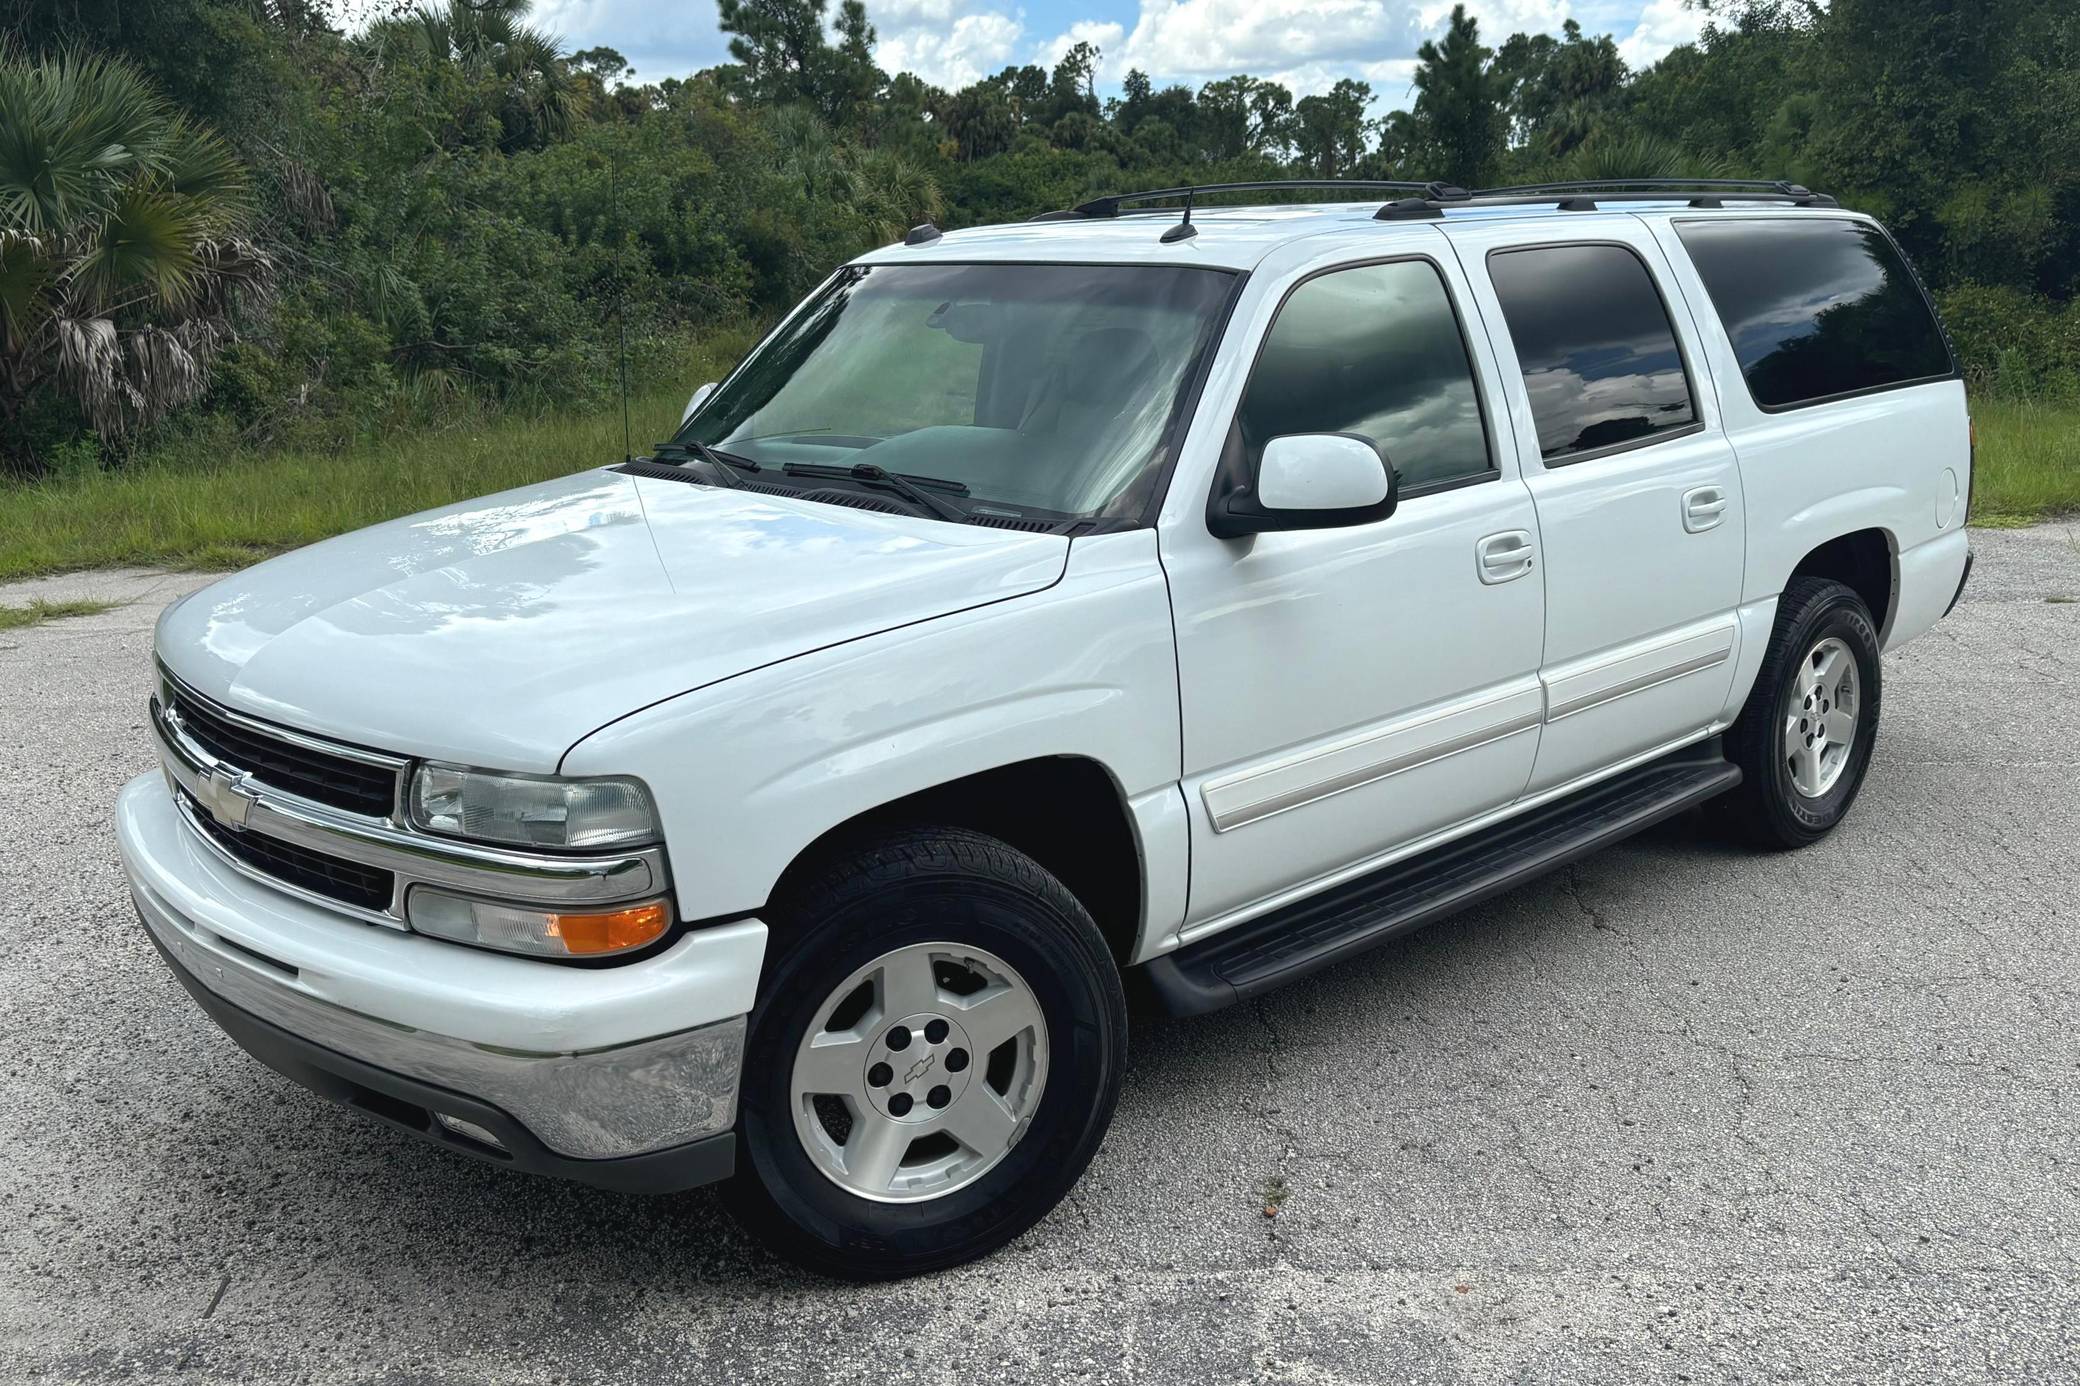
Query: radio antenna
[(621, 296)]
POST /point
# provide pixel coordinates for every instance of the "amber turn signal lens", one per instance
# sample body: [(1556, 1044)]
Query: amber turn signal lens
[(614, 932), (513, 929)]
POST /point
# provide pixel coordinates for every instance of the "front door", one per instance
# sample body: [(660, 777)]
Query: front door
[(1638, 494), (1348, 692)]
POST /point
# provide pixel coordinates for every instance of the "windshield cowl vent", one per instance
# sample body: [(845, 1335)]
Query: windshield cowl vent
[(1025, 526), (858, 501)]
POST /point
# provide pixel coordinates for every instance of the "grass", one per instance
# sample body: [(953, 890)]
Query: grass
[(39, 611), (229, 512), (2029, 462), (173, 511)]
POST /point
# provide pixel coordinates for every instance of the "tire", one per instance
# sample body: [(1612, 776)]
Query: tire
[(960, 919), (1823, 646)]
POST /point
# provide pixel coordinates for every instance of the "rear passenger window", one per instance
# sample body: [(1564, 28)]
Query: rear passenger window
[(1816, 308), (1374, 350), (1599, 357)]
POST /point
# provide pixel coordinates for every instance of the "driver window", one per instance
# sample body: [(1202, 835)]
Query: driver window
[(1374, 350)]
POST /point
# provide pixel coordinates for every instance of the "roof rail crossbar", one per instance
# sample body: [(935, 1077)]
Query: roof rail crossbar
[(1109, 205)]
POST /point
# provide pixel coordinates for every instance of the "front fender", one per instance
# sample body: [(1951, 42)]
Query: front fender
[(748, 772)]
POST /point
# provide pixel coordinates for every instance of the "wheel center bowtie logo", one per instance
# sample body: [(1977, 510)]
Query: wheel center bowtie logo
[(918, 1070), (226, 797)]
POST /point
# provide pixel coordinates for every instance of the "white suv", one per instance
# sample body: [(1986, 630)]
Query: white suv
[(1194, 600)]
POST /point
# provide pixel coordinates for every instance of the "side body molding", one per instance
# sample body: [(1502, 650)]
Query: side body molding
[(1603, 677), (1316, 772)]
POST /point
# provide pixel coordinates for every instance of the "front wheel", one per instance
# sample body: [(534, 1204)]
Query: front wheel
[(1804, 739), (935, 1057)]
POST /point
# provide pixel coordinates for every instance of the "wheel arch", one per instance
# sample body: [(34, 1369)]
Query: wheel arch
[(1067, 812), (1866, 561)]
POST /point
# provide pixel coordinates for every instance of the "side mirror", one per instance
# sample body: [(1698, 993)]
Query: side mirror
[(700, 397), (1308, 481)]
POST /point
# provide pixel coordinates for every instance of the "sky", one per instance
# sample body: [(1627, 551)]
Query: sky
[(1305, 44)]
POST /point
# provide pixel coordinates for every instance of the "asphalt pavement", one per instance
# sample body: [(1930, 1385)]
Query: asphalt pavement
[(1683, 1113)]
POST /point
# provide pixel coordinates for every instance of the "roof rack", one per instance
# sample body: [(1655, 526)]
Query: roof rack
[(1109, 206), (1585, 196), (1430, 199)]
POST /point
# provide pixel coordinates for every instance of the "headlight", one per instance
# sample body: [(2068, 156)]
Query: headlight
[(533, 810)]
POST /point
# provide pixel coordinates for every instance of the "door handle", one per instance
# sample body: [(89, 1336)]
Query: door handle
[(1504, 556), (1703, 508)]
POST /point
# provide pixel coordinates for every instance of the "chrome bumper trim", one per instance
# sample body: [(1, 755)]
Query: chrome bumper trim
[(592, 1105), (415, 858)]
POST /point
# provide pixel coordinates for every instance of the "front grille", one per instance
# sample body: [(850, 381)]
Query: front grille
[(328, 779), (321, 873)]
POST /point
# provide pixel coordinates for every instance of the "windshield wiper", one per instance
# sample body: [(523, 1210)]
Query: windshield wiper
[(908, 488), (718, 462)]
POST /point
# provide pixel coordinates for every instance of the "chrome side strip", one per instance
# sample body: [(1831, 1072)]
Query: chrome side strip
[(501, 873), (1319, 772), (1633, 671)]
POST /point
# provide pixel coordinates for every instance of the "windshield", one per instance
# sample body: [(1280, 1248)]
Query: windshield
[(1038, 387)]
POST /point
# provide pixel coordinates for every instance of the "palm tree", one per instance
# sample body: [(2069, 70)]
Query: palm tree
[(489, 40), (1604, 156), (123, 250)]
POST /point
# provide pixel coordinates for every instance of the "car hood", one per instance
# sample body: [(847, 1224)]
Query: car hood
[(501, 631)]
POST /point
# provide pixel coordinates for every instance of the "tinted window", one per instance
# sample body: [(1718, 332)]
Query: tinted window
[(1374, 351), (1816, 308), (1592, 335)]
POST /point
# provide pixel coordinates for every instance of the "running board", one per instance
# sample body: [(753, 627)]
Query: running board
[(1323, 929)]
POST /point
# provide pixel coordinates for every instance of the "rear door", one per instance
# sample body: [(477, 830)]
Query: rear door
[(1638, 497)]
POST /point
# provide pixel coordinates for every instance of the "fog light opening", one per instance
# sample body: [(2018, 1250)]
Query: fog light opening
[(469, 1130)]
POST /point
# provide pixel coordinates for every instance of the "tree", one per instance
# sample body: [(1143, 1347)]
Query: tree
[(1329, 131), (123, 247), (537, 98), (1073, 86), (604, 63), (847, 78), (1025, 92), (779, 43), (1242, 115), (980, 121), (1553, 91), (1456, 103)]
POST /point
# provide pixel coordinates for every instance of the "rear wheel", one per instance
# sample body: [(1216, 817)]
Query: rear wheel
[(934, 1059), (1804, 740)]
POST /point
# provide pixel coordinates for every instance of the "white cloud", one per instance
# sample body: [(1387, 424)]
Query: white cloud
[(658, 41), (947, 55), (1306, 45), (1499, 19), (1663, 25), (1105, 36), (1197, 40)]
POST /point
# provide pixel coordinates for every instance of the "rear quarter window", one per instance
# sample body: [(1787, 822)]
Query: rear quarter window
[(1816, 308)]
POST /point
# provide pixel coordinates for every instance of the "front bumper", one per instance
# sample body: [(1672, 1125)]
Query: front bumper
[(625, 1076)]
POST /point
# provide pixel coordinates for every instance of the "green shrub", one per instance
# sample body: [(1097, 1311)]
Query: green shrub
[(2014, 344)]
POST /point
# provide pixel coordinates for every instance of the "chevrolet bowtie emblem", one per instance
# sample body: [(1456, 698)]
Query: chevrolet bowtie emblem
[(918, 1070), (226, 797)]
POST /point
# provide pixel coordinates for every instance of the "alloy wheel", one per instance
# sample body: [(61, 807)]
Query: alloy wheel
[(1820, 718), (920, 1072)]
